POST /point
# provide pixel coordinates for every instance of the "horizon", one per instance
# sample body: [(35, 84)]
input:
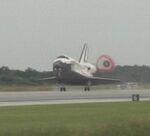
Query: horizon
[(34, 32)]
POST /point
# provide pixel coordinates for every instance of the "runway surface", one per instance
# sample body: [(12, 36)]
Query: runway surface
[(72, 96)]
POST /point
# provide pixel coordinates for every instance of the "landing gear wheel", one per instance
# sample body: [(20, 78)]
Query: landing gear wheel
[(87, 89), (62, 89)]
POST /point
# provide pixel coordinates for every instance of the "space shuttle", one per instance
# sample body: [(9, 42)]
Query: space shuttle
[(68, 71)]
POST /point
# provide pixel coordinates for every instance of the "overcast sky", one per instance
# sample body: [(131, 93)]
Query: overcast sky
[(34, 32)]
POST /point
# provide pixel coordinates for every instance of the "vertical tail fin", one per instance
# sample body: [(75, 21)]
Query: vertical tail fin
[(84, 54)]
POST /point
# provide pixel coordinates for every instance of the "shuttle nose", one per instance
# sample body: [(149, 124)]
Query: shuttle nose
[(57, 65), (57, 68)]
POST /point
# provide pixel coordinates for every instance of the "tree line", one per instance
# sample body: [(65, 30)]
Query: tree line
[(140, 74), (29, 76)]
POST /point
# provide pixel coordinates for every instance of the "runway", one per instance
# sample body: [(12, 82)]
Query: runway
[(72, 96)]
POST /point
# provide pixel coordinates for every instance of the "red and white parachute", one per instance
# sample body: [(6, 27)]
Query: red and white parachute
[(105, 64)]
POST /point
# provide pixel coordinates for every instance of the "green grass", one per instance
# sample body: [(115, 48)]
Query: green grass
[(49, 87), (97, 119), (46, 87), (145, 86), (12, 88)]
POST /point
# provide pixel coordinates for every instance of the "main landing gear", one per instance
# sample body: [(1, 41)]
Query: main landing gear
[(62, 89), (87, 88)]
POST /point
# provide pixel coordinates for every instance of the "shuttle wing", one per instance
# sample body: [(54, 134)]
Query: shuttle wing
[(48, 78), (99, 80), (51, 80), (94, 80)]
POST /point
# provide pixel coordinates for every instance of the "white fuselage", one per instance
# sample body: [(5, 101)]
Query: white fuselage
[(83, 68)]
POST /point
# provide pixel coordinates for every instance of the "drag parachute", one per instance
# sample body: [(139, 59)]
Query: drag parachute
[(105, 64)]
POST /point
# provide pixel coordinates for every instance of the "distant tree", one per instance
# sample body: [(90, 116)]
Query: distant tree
[(29, 76)]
